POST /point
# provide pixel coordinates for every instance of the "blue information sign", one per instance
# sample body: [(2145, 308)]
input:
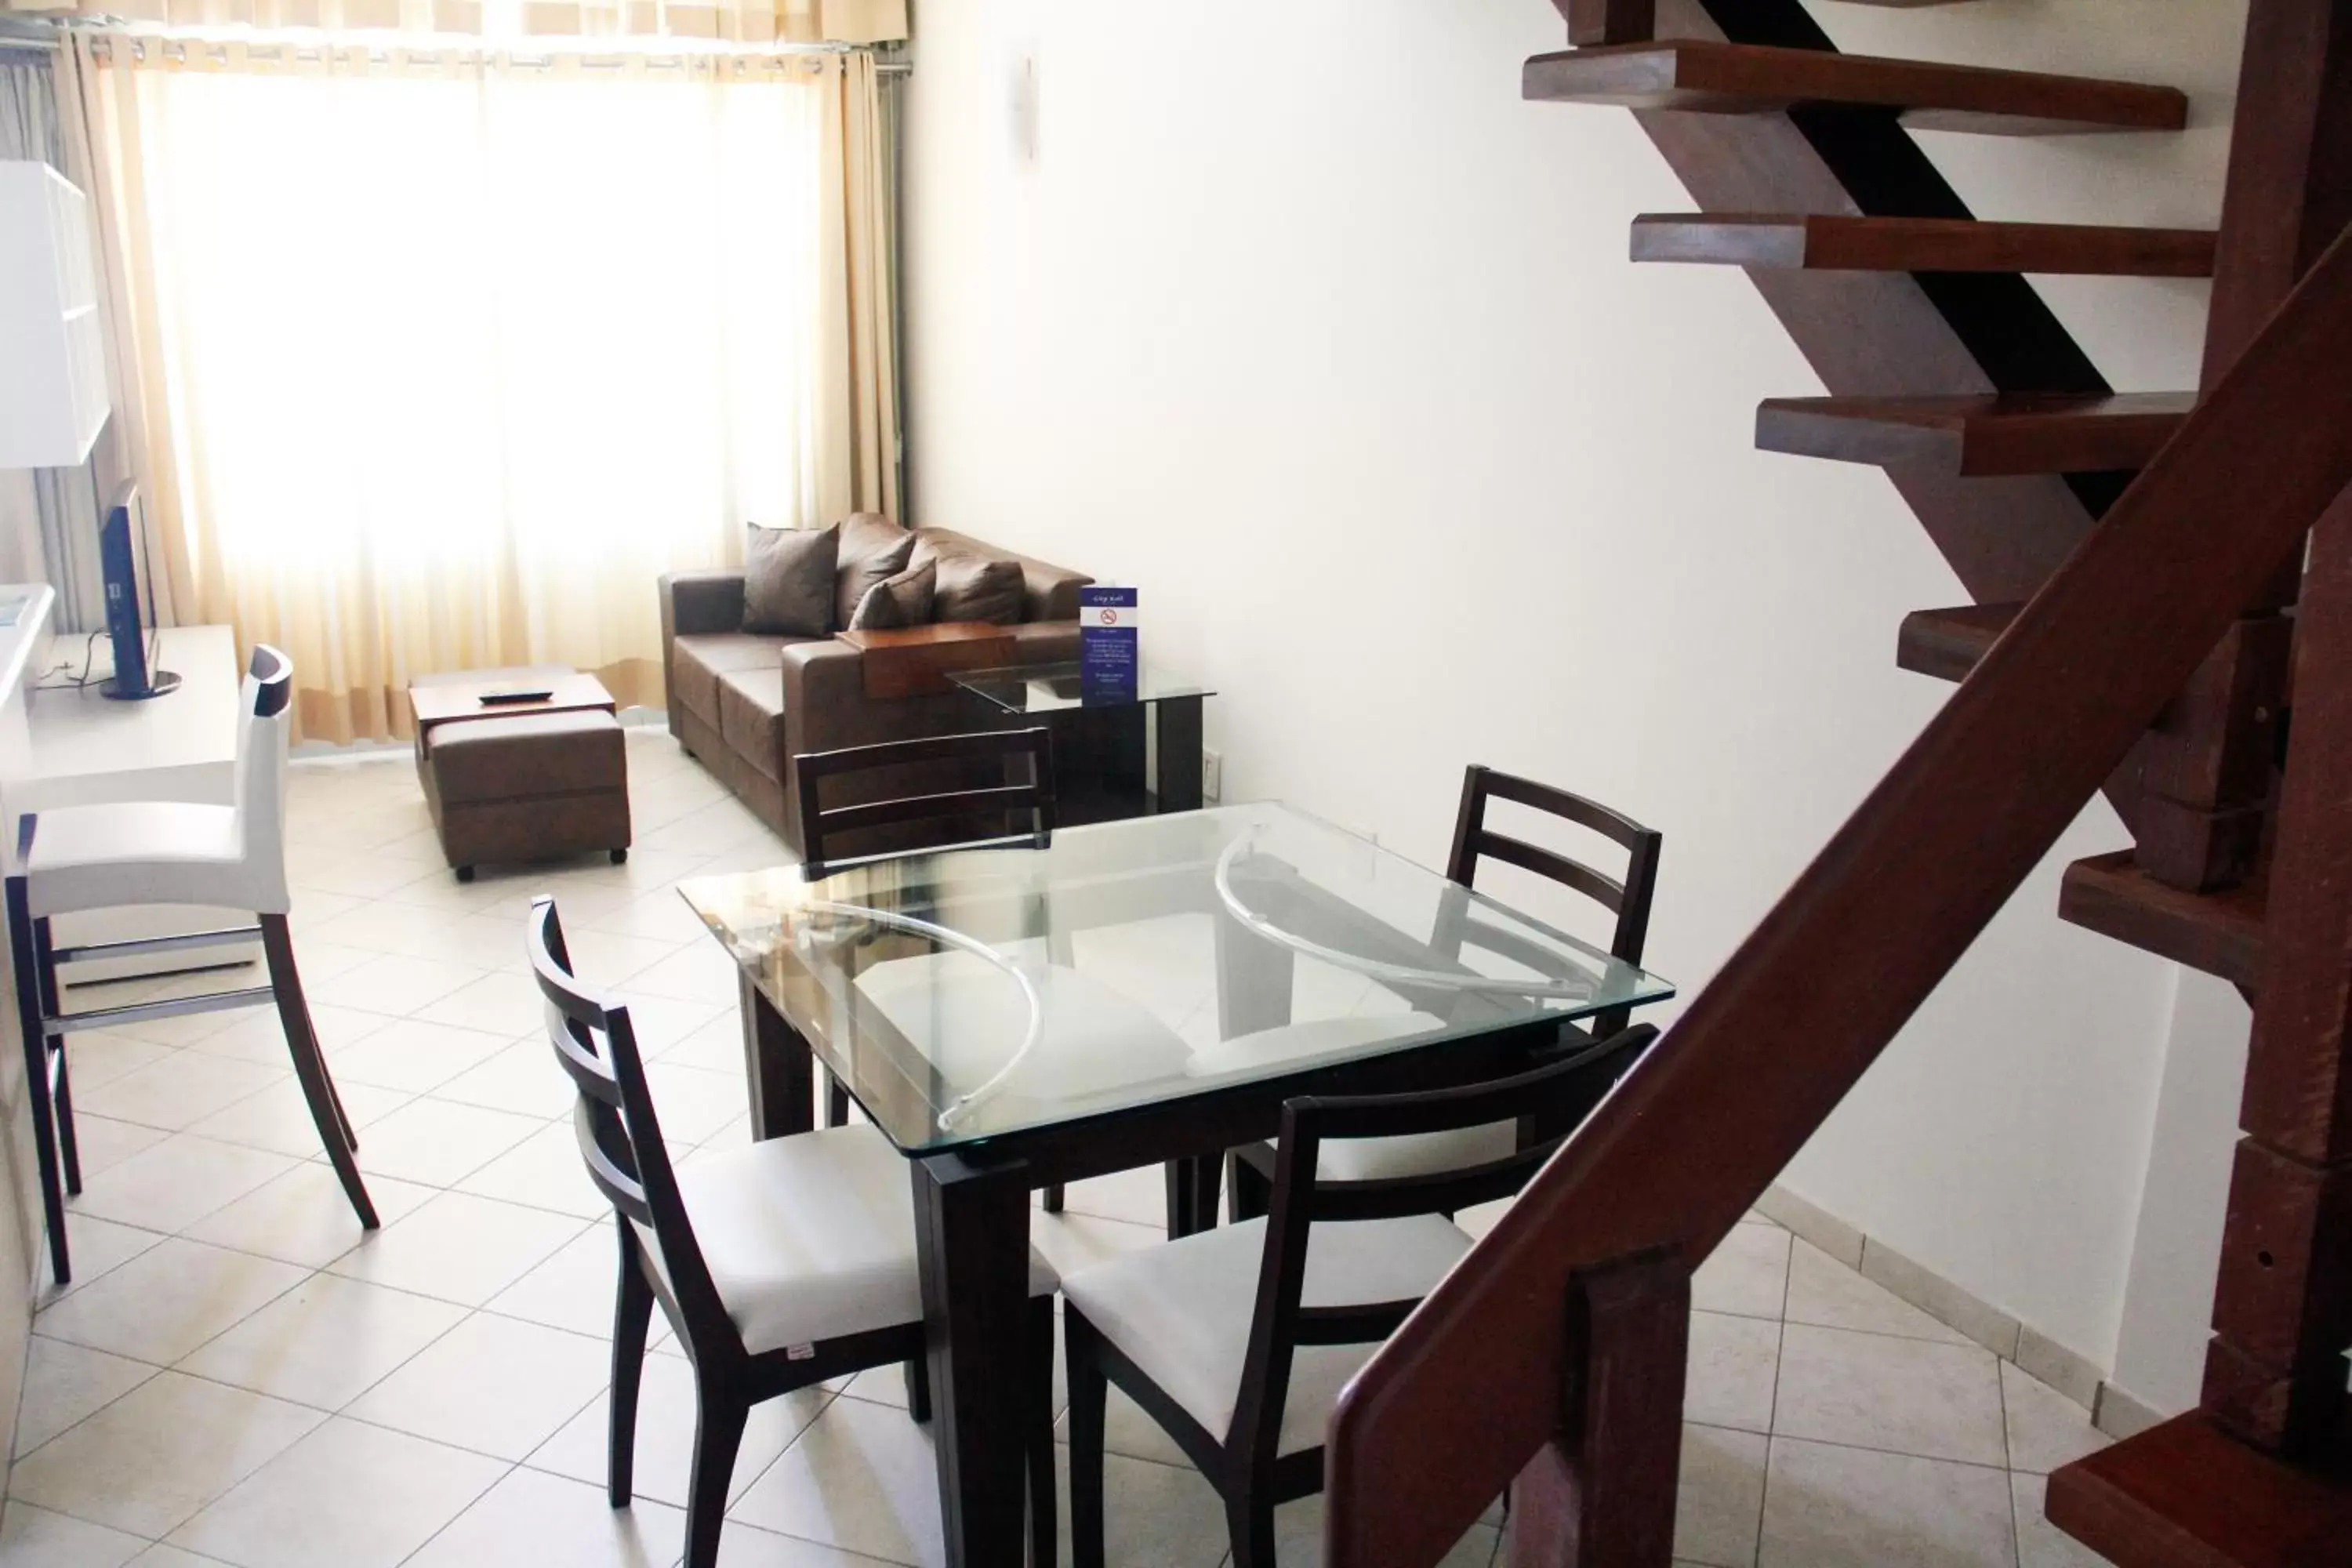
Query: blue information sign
[(1109, 669)]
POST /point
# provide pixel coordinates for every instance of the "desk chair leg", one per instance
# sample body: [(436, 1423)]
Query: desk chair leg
[(68, 1145), (25, 960), (1054, 1196), (311, 1067), (633, 1313), (836, 1102)]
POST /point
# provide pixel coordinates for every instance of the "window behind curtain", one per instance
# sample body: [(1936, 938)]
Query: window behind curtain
[(517, 338)]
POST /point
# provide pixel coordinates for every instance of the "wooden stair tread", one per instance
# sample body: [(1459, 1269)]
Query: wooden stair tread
[(1972, 436), (1831, 242), (2219, 933), (2184, 1495), (1710, 78), (1946, 644)]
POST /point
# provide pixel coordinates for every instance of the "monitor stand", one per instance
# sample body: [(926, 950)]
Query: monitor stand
[(165, 681)]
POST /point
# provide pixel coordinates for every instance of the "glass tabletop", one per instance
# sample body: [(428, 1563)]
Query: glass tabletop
[(1057, 688), (978, 991)]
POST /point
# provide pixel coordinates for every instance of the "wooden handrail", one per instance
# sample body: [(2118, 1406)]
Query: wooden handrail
[(1473, 1385)]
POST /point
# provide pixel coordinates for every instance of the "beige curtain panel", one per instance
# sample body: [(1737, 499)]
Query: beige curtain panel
[(732, 21), (435, 361)]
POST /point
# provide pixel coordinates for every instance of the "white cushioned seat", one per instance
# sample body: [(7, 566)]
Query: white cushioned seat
[(810, 1237), (1182, 1311), (145, 852)]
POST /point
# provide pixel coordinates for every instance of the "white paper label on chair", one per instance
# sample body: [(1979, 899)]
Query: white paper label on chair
[(800, 1352)]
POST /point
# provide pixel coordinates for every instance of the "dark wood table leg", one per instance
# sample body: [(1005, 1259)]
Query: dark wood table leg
[(1178, 783), (775, 1067), (1193, 1183), (971, 1237)]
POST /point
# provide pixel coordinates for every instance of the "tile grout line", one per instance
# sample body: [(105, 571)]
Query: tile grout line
[(1779, 1349), (2009, 1467)]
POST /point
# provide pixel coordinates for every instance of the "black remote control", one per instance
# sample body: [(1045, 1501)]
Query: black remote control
[(506, 698)]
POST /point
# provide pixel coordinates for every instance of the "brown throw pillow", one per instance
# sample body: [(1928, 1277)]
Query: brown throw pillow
[(903, 601), (788, 580), (853, 579), (976, 588)]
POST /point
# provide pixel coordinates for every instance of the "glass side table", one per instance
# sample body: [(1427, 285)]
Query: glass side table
[(1130, 755)]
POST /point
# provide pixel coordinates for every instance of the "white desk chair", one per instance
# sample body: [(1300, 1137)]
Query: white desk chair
[(166, 852)]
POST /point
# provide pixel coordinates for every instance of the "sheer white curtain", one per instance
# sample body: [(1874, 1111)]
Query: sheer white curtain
[(449, 357)]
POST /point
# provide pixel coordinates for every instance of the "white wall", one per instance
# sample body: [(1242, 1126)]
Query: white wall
[(2177, 1247), (1303, 322)]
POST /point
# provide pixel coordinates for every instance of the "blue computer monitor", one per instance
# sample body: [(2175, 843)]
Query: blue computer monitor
[(117, 553)]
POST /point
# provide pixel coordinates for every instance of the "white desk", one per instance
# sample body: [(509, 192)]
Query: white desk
[(23, 1262), (87, 748)]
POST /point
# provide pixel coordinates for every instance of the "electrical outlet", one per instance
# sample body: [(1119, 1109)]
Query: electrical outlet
[(1212, 775)]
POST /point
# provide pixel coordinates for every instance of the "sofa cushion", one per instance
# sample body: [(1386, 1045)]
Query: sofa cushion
[(899, 602), (972, 585), (751, 717), (1049, 593), (788, 587), (873, 550), (697, 661)]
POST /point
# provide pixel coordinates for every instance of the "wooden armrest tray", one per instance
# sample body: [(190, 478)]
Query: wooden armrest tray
[(915, 661)]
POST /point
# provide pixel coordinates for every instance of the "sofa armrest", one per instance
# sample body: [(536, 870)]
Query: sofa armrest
[(693, 602), (825, 705)]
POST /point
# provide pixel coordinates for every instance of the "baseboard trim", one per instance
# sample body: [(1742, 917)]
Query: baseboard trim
[(2071, 1373)]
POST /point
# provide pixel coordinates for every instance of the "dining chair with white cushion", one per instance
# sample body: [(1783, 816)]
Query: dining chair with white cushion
[(779, 1265), (1250, 1170), (1237, 1340), (75, 859)]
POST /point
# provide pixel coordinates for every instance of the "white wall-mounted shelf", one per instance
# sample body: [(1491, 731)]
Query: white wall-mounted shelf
[(53, 397)]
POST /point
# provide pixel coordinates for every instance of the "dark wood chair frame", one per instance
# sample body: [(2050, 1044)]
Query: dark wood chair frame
[(1250, 1170), (622, 1143), (1035, 796), (34, 957), (1189, 1207), (1246, 1465)]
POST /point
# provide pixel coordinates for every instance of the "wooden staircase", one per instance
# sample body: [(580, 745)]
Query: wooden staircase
[(1839, 242), (2145, 568)]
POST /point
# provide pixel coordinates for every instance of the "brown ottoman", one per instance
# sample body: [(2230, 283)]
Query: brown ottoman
[(534, 781)]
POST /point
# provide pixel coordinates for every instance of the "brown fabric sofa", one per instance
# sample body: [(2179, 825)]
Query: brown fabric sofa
[(745, 705)]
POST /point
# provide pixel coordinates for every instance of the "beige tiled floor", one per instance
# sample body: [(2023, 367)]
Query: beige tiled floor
[(236, 1377)]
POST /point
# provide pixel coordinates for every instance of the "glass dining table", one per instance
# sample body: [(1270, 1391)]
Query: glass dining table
[(1130, 994)]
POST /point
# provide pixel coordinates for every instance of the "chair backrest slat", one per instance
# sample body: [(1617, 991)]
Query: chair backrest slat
[(1558, 1093), (1629, 900), (1606, 892), (1009, 752), (1352, 1325), (611, 1170), (620, 1135)]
